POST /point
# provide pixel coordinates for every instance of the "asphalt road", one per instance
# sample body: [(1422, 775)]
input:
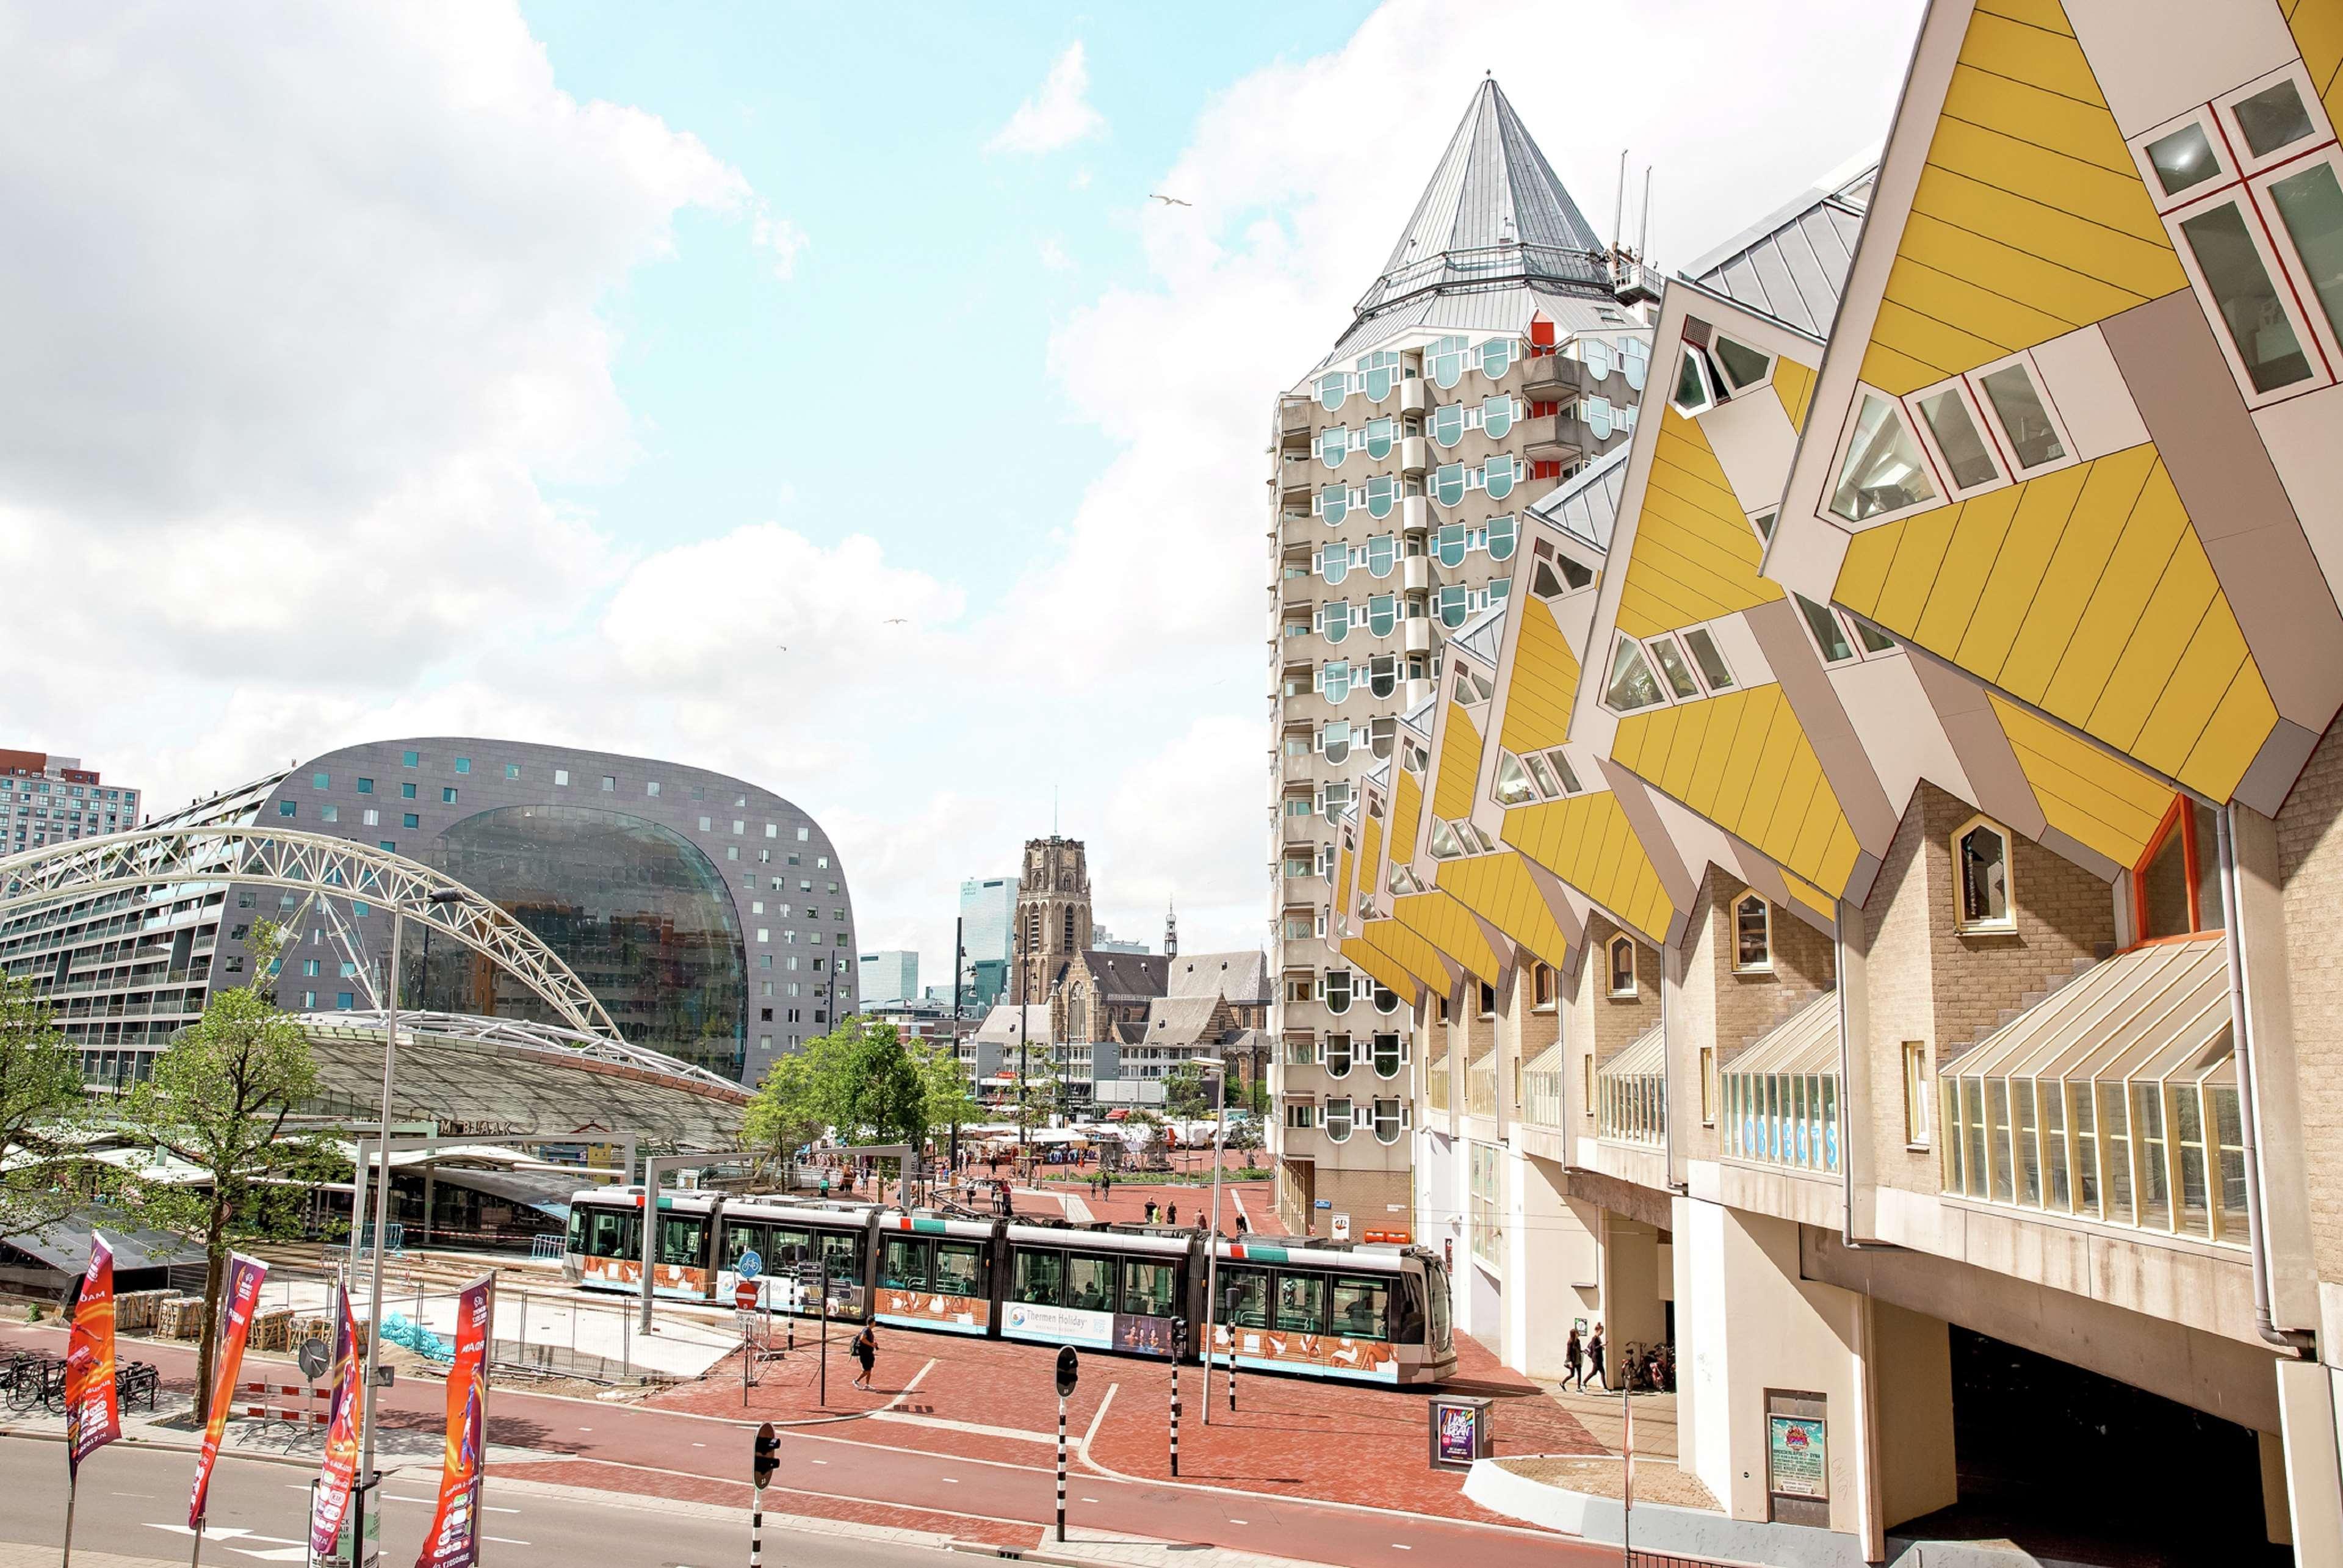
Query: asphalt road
[(133, 1501)]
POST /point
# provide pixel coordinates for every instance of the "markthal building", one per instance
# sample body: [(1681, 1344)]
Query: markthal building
[(660, 925)]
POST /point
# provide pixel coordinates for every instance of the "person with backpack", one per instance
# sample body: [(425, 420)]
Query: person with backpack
[(866, 1353)]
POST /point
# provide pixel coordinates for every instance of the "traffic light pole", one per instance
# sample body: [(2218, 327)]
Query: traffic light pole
[(765, 1460), (1069, 1371)]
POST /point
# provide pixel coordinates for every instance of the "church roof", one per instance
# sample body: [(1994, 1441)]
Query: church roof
[(1495, 218), (999, 1025), (1181, 1020), (1242, 976), (1121, 977)]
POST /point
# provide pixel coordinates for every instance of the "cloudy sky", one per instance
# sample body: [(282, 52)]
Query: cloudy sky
[(790, 390)]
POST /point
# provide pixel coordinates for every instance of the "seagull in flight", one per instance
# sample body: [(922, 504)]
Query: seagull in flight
[(897, 621), (1168, 201)]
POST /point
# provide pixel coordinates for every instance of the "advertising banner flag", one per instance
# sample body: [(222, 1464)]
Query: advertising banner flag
[(92, 1409), (454, 1541), (341, 1466), (243, 1277)]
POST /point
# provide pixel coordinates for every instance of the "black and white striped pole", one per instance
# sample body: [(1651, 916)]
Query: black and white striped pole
[(1069, 1371), (1179, 1349), (769, 1459)]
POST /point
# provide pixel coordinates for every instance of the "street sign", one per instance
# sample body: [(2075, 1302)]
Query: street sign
[(744, 1295), (768, 1452), (1069, 1372), (810, 1276), (750, 1265)]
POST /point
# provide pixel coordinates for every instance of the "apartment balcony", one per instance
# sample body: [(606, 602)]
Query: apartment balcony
[(1415, 395), (1552, 379), (1435, 1085), (1294, 423), (1630, 1093), (1293, 477), (1418, 637), (1541, 1088), (1553, 438), (1481, 1086), (1415, 514), (1414, 691), (1415, 453), (1415, 576)]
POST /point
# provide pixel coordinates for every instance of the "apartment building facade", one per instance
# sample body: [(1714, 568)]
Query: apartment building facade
[(1501, 350), (47, 799), (1869, 925)]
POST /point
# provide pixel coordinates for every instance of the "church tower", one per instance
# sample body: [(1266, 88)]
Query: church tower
[(1171, 931), (1053, 912)]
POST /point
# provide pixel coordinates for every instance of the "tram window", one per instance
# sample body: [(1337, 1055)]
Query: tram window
[(577, 1238), (1251, 1288), (844, 1256), (611, 1235), (904, 1266), (1040, 1278), (1090, 1284), (745, 1237), (1361, 1307), (680, 1239), (1302, 1304), (789, 1246), (1146, 1289), (1436, 1286), (960, 1268), (1409, 1329)]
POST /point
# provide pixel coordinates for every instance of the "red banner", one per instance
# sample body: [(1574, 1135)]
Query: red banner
[(341, 1466), (92, 1409), (454, 1539), (243, 1277)]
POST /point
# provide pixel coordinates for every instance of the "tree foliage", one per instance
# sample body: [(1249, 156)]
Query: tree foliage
[(1185, 1095), (219, 1099), (41, 1104), (863, 1081)]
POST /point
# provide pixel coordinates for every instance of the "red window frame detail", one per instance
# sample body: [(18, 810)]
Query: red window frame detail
[(2177, 818)]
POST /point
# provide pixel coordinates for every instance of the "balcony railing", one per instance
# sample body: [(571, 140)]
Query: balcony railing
[(1435, 1085), (1481, 1086), (1542, 1087), (1630, 1093), (1782, 1097)]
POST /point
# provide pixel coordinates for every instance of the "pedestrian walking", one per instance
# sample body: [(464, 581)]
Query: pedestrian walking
[(1595, 1357), (1570, 1367), (1241, 1226), (1150, 1211), (866, 1353), (1172, 1215)]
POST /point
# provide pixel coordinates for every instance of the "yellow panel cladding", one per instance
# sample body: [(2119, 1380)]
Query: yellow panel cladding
[(1814, 897), (1371, 857), (2030, 218), (1695, 555), (1744, 761), (1460, 763), (1407, 805), (2086, 593), (1500, 889), (1587, 841), (1794, 384), (1360, 952), (1410, 952), (1342, 879), (2099, 798), (1447, 924), (2318, 26), (1544, 681)]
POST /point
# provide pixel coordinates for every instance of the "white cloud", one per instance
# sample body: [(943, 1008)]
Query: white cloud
[(783, 238), (1057, 116), (1053, 252)]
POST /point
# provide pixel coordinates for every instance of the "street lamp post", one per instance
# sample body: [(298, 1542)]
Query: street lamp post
[(382, 1190), (1216, 1068)]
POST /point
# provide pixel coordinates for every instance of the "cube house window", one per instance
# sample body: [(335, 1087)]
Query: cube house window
[(1948, 413), (1884, 471), (1623, 966), (1981, 863), (2024, 420), (1752, 934)]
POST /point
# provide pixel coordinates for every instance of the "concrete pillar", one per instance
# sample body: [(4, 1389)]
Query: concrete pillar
[(1753, 1335), (2311, 1487), (1547, 1251), (1631, 1286)]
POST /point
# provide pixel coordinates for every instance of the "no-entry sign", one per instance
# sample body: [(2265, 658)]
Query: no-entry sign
[(744, 1295)]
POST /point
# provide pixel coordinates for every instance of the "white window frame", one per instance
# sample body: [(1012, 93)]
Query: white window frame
[(1659, 682), (1652, 644), (1973, 399), (1708, 379), (1917, 1118), (1764, 381), (1961, 922), (1699, 671), (2244, 182), (2004, 451), (1845, 443), (1765, 965), (1610, 967), (2325, 332)]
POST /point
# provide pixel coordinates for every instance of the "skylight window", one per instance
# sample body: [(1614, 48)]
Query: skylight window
[(1884, 471), (1711, 660), (1632, 684), (1513, 787), (1829, 639), (1671, 660), (1957, 436), (2019, 405)]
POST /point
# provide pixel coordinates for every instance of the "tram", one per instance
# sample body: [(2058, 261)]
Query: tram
[(1366, 1314)]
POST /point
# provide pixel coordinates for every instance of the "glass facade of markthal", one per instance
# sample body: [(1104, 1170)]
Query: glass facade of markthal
[(709, 917)]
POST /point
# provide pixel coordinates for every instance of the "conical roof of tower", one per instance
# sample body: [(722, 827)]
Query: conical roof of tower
[(1495, 220)]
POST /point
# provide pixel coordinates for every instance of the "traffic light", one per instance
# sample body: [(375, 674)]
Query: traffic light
[(1069, 1370), (1179, 1336), (768, 1456)]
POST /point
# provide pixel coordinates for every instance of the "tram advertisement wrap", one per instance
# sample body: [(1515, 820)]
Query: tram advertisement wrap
[(453, 1541), (1331, 1354), (925, 1309), (93, 1411)]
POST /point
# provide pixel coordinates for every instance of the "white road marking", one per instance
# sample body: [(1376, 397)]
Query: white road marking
[(952, 1480), (149, 1496), (1396, 1546), (1240, 1521), (505, 1541)]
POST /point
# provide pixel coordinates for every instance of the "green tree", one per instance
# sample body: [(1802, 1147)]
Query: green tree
[(40, 1102), (949, 1104), (219, 1099), (1183, 1091), (793, 1105)]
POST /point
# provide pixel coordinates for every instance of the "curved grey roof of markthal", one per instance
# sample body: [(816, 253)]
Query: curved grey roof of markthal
[(689, 901)]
